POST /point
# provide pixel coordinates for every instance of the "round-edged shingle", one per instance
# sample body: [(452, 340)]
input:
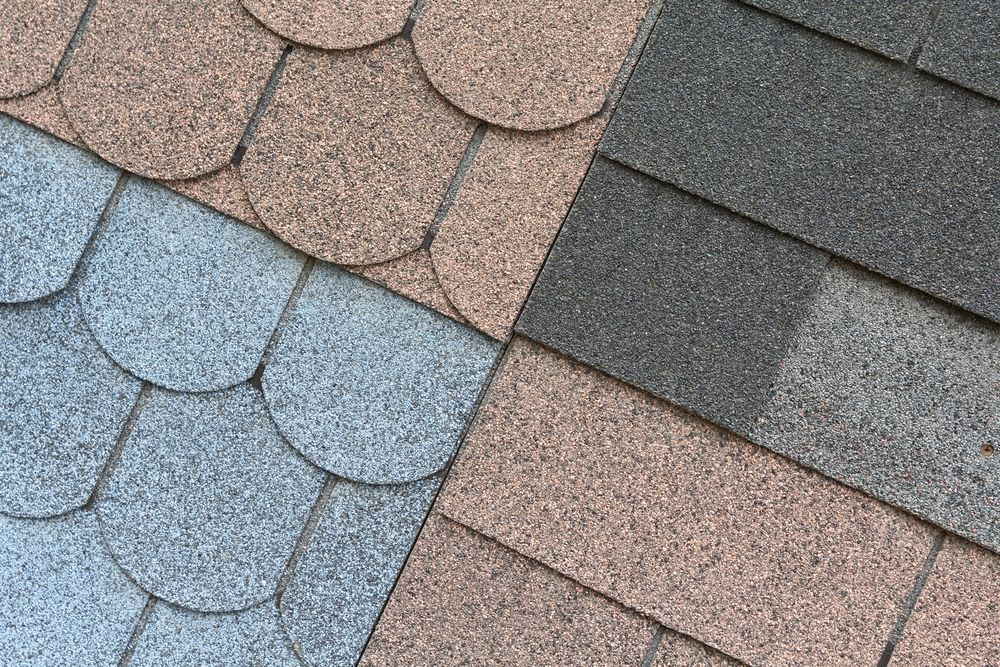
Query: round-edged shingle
[(33, 36), (332, 24)]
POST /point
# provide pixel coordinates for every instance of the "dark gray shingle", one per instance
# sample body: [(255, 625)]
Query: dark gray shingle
[(964, 45)]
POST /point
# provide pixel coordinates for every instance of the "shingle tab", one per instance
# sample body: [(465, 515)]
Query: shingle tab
[(672, 294), (63, 602), (333, 24), (676, 650), (33, 36), (62, 405), (372, 386), (51, 195), (343, 579), (181, 295), (207, 500), (889, 167), (964, 45)]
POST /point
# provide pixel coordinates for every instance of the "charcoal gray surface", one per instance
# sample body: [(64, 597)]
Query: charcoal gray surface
[(672, 294), (964, 45), (892, 168)]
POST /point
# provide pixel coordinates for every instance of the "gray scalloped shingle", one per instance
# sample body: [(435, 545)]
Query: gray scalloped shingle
[(62, 405), (964, 45), (207, 500), (181, 295), (372, 386), (894, 393), (891, 168), (343, 579), (51, 195), (63, 601)]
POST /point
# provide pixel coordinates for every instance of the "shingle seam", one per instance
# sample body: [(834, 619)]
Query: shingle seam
[(263, 101), (109, 466), (99, 226), (412, 19), (140, 626), (305, 536), (461, 171), (646, 26), (925, 33), (654, 646), (286, 313), (74, 41)]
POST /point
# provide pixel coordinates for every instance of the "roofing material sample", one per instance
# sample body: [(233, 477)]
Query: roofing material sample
[(369, 385), (956, 620), (897, 394), (44, 111), (341, 583), (891, 168), (165, 89), (51, 195), (179, 294), (354, 154), (62, 404), (32, 41), (221, 190), (464, 599), (963, 45), (672, 294), (527, 66), (62, 600), (676, 650), (333, 24), (710, 535), (412, 276)]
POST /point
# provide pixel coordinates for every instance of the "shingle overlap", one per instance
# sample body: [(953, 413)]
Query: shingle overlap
[(33, 36), (964, 45), (332, 24)]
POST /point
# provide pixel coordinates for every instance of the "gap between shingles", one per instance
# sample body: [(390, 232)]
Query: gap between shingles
[(305, 536), (74, 41), (263, 101), (464, 165), (137, 630), (925, 33), (411, 20), (123, 436), (654, 646), (286, 313)]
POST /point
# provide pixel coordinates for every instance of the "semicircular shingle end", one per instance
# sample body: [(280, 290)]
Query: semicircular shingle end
[(33, 36), (354, 154), (412, 276), (371, 386), (525, 65), (181, 295), (205, 504), (332, 24), (165, 90)]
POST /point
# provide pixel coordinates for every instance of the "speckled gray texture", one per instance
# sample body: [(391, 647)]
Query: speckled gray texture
[(372, 386), (342, 581), (672, 294), (181, 295), (180, 638), (896, 394), (206, 502), (51, 195), (62, 405), (63, 602), (964, 45), (892, 168)]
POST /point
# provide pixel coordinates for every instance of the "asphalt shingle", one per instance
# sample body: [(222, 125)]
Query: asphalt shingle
[(63, 602), (333, 24), (205, 504), (964, 45), (372, 386), (342, 581), (33, 36), (44, 111), (672, 294), (889, 167), (181, 295), (51, 195), (62, 405)]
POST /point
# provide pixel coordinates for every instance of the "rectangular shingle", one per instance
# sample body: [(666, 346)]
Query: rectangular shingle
[(964, 45), (892, 168)]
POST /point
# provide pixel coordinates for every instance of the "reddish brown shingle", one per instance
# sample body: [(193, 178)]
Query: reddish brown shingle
[(33, 36), (676, 650), (413, 276), (332, 24), (43, 110), (221, 190)]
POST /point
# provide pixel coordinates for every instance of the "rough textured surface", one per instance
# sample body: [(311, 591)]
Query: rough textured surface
[(62, 404), (369, 385), (676, 650), (180, 638), (891, 168), (963, 46), (891, 27), (710, 535), (221, 190), (354, 154), (956, 621), (672, 294), (464, 600), (342, 581), (33, 36), (206, 502), (896, 394), (527, 66), (63, 602), (412, 276), (491, 244), (44, 111), (332, 24), (164, 88), (179, 294), (51, 195)]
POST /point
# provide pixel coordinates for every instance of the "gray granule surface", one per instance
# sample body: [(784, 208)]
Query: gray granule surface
[(342, 581), (889, 167), (964, 45), (63, 602), (62, 405), (181, 295), (206, 502), (51, 195), (672, 294), (896, 394), (177, 637), (370, 385)]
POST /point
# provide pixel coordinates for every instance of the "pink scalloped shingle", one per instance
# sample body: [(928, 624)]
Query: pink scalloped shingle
[(33, 36), (332, 24)]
